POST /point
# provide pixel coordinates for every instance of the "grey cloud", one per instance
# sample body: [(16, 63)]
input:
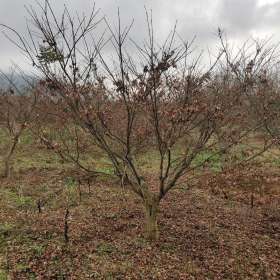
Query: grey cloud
[(239, 15), (240, 18)]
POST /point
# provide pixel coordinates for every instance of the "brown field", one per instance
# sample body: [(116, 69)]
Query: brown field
[(128, 158), (212, 227)]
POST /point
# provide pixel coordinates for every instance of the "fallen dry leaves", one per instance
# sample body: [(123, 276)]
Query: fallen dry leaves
[(203, 234)]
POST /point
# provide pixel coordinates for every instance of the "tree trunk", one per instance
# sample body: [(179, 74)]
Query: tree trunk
[(7, 161), (224, 149), (7, 170), (151, 206)]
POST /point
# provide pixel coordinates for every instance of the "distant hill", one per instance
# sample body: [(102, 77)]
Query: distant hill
[(17, 79)]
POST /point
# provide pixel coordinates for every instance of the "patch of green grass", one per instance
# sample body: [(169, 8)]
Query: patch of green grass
[(210, 159), (106, 169), (111, 216), (70, 182), (141, 242), (27, 155), (22, 267), (37, 250), (168, 247), (3, 275), (26, 138), (71, 190), (15, 199), (149, 160), (42, 159), (275, 162), (18, 200), (5, 228), (105, 248)]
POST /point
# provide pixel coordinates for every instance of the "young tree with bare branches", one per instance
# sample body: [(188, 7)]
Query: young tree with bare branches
[(165, 102), (254, 70), (16, 112)]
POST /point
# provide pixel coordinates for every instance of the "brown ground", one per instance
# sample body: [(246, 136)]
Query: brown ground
[(207, 232)]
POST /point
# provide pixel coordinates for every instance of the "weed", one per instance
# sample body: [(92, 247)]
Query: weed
[(38, 250)]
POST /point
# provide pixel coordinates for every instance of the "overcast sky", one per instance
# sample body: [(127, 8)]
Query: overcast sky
[(239, 18)]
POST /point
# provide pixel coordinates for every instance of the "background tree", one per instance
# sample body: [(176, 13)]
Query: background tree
[(254, 70), (16, 113)]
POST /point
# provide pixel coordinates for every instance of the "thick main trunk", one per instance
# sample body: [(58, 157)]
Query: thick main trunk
[(151, 206)]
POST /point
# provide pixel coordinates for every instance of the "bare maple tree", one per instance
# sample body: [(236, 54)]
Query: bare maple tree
[(254, 70), (165, 102), (16, 113)]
